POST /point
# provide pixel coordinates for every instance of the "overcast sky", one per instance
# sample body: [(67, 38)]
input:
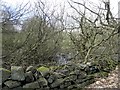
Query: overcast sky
[(14, 3)]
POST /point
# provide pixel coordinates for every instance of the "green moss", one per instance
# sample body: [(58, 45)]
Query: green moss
[(43, 69), (5, 70), (57, 67), (53, 67)]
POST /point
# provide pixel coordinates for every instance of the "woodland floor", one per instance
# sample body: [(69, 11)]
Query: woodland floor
[(110, 82)]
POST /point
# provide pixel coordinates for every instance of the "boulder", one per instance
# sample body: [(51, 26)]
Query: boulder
[(53, 76), (59, 75), (63, 71), (66, 83), (68, 67), (53, 68), (5, 74), (51, 79), (82, 66), (12, 84), (18, 88), (80, 86), (91, 69), (42, 82), (88, 78), (32, 85), (82, 75), (17, 73), (29, 77), (37, 75), (72, 87), (72, 66), (5, 88), (85, 83), (75, 72), (79, 73), (57, 83), (43, 70), (43, 88), (32, 69), (71, 78), (0, 86)]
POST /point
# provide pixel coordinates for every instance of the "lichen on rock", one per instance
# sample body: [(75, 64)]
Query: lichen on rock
[(43, 70)]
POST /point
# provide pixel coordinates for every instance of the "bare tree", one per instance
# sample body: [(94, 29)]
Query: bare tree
[(39, 39), (94, 33), (10, 18)]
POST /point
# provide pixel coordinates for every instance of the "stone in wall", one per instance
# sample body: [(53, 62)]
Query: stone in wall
[(56, 83), (43, 70), (31, 68), (29, 77), (45, 79), (32, 85), (5, 74), (17, 73), (42, 82), (12, 84)]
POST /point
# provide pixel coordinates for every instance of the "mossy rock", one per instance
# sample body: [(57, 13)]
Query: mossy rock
[(59, 75), (57, 83), (59, 67), (42, 82), (53, 76), (32, 86), (71, 78), (81, 86), (5, 74), (17, 73), (12, 84), (5, 70), (53, 67), (43, 70)]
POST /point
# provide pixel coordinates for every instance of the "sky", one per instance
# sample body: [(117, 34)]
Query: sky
[(53, 3), (15, 3)]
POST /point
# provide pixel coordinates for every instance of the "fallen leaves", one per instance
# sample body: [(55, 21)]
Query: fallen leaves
[(110, 82)]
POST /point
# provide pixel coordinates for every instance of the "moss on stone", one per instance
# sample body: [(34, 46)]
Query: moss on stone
[(53, 67), (5, 69), (43, 69), (5, 74)]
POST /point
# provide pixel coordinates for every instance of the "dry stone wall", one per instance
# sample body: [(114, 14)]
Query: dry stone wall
[(70, 76)]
